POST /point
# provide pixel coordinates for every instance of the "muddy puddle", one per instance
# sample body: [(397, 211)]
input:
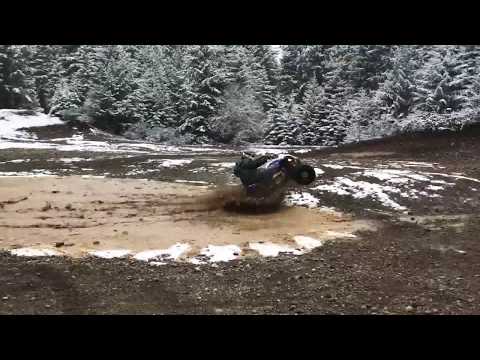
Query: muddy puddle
[(75, 216)]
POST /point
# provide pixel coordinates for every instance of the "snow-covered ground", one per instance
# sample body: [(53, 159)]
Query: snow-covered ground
[(209, 254), (389, 184), (172, 253), (301, 199), (30, 252), (12, 121)]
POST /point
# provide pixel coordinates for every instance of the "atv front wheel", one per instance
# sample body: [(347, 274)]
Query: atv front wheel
[(305, 175)]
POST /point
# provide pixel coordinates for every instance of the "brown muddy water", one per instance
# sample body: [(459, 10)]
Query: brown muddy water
[(76, 215)]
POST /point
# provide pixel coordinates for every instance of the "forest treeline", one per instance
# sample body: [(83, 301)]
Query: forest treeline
[(234, 94)]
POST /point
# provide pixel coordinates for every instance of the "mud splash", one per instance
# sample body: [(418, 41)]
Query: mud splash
[(233, 198)]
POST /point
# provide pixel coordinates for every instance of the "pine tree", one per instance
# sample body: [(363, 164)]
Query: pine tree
[(283, 124), (317, 57), (43, 61), (254, 75), (293, 71), (240, 118), (16, 84), (337, 91), (65, 98), (443, 81), (367, 117), (367, 65), (118, 81), (269, 72), (397, 92), (157, 98), (470, 55), (314, 115), (206, 85)]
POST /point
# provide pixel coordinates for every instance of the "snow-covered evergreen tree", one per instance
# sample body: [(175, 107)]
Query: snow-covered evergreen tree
[(300, 64), (284, 123), (337, 92), (65, 98), (397, 92), (109, 96), (240, 118), (16, 83), (313, 96), (443, 81), (367, 65), (368, 118), (294, 72), (43, 62), (256, 78), (318, 57), (314, 115), (207, 82)]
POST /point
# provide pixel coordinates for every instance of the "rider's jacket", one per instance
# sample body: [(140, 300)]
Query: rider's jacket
[(247, 168)]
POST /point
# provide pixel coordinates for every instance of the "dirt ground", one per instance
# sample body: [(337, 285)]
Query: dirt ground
[(423, 262)]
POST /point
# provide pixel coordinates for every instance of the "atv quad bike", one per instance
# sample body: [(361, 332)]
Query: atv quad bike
[(274, 177)]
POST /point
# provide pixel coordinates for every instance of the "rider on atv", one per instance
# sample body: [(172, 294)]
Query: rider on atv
[(247, 168), (275, 174), (267, 176)]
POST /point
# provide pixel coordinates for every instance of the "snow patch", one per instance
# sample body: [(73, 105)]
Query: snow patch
[(270, 249), (307, 242), (434, 187), (442, 182), (224, 165), (339, 166), (175, 162), (139, 171), (200, 169), (110, 254), (29, 252), (34, 173), (303, 198), (265, 151), (93, 176), (394, 175), (192, 182), (71, 160), (173, 253), (217, 253), (333, 166), (333, 188), (302, 151), (17, 161), (336, 234), (362, 189), (11, 122), (416, 164), (319, 171), (157, 263)]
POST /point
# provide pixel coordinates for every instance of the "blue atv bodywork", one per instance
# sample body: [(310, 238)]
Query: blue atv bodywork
[(266, 174), (269, 182), (275, 174)]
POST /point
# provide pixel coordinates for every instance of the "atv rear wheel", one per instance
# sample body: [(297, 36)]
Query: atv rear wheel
[(305, 175)]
